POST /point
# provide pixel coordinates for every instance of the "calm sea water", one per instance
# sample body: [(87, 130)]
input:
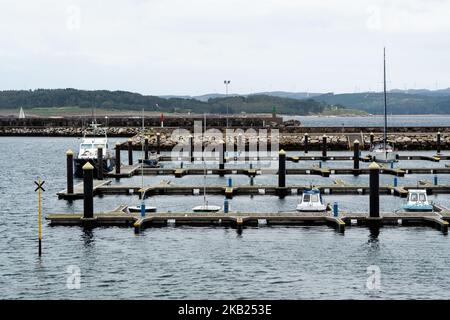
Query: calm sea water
[(373, 121), (206, 262)]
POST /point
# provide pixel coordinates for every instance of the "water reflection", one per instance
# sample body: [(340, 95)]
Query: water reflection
[(88, 235), (374, 232)]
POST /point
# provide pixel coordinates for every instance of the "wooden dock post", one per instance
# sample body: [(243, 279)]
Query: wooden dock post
[(374, 183), (130, 152), (69, 155), (438, 143), (372, 137), (324, 147), (222, 159), (356, 157), (158, 143), (191, 149), (100, 163), (88, 191), (282, 174), (117, 158), (306, 142), (146, 149)]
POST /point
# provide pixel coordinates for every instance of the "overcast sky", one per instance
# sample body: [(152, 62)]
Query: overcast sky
[(191, 46)]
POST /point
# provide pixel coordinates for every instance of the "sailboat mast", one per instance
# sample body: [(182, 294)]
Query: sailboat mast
[(204, 162), (385, 100), (142, 156)]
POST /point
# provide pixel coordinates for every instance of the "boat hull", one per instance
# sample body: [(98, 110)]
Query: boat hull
[(415, 208), (108, 165), (321, 208), (384, 157), (138, 209), (207, 208)]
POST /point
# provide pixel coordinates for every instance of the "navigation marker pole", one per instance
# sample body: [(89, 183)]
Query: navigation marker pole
[(39, 188)]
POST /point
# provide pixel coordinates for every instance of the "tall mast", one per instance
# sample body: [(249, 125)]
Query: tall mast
[(204, 162), (385, 100), (142, 154)]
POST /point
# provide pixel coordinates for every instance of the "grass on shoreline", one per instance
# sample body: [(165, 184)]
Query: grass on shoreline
[(75, 111)]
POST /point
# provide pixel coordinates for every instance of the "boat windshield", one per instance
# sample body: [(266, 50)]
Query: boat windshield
[(306, 198), (86, 146), (98, 145), (422, 197), (413, 197), (314, 198)]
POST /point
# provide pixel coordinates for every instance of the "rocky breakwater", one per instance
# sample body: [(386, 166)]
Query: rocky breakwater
[(292, 142), (64, 131)]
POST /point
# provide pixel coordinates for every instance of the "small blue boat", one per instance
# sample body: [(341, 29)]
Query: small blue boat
[(417, 201)]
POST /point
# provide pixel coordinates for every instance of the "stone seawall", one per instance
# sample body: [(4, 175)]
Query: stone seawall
[(290, 142), (183, 121)]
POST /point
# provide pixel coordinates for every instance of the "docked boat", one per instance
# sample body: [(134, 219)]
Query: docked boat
[(93, 138), (138, 208), (417, 201), (383, 152), (206, 208), (311, 201)]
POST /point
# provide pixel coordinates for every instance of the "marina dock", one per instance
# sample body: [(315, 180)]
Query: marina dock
[(119, 216)]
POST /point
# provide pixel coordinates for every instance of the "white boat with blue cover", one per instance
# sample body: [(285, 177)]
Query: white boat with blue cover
[(311, 201), (417, 201)]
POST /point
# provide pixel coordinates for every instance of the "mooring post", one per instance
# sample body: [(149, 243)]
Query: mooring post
[(372, 137), (306, 142), (146, 149), (356, 157), (395, 182), (335, 209), (69, 155), (117, 160), (324, 147), (282, 173), (438, 143), (130, 152), (191, 149), (374, 182), (222, 159), (435, 180), (158, 143), (88, 191), (226, 206), (230, 182), (100, 163)]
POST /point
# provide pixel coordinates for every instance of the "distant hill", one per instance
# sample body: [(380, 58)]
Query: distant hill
[(424, 92), (123, 100), (410, 101), (280, 94), (398, 102)]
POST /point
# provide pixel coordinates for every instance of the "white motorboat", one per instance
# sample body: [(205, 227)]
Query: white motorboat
[(93, 138), (311, 201), (417, 201)]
